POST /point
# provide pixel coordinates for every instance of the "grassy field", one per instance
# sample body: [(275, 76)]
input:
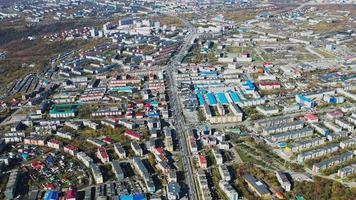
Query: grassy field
[(240, 16), (170, 21), (324, 53), (328, 27), (21, 52)]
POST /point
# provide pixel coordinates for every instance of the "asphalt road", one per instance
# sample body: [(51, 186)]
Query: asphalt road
[(177, 110)]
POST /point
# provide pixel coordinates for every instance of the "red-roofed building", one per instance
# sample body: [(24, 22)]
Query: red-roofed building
[(203, 162), (162, 157), (55, 144), (269, 85), (311, 118), (160, 154), (72, 150), (133, 134), (128, 115), (130, 106), (107, 140), (279, 195), (37, 165), (159, 150), (103, 155), (139, 115), (163, 103), (71, 195), (334, 115), (163, 166), (49, 186), (112, 119), (148, 106), (268, 64), (161, 107), (139, 103)]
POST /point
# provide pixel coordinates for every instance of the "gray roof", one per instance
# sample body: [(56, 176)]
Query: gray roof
[(342, 157), (258, 185), (174, 188)]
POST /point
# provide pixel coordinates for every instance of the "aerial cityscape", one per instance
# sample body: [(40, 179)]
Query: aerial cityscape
[(177, 99)]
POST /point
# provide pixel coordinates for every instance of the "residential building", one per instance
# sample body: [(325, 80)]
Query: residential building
[(218, 157), (133, 135), (224, 172), (203, 186), (229, 191), (257, 186), (103, 155), (333, 161), (267, 110), (203, 162), (137, 148), (65, 135), (173, 191), (55, 144), (10, 190), (305, 144), (283, 180), (305, 101), (347, 143), (344, 124), (96, 142), (317, 152), (98, 176), (282, 127), (346, 171), (119, 150), (85, 159), (301, 133), (172, 176), (70, 149), (115, 165), (275, 122)]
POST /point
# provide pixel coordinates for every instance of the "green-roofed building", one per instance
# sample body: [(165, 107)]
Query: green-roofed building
[(300, 197), (63, 111)]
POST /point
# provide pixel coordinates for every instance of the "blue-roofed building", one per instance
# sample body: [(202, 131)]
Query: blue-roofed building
[(140, 197), (305, 101), (203, 85), (51, 195), (154, 103), (200, 99), (282, 144), (234, 97), (209, 73), (25, 156), (333, 99), (50, 161), (267, 70), (243, 30), (153, 115), (122, 89), (222, 98), (249, 86), (211, 99), (201, 91), (204, 50), (133, 197), (127, 197)]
